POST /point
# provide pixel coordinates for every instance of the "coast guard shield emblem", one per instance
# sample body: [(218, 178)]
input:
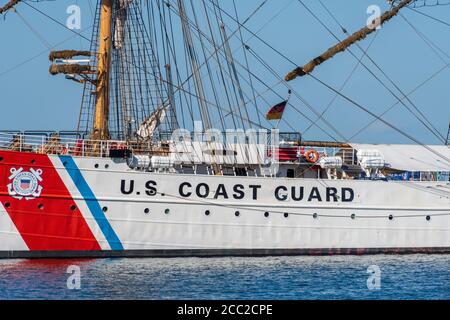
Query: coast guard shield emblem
[(25, 184)]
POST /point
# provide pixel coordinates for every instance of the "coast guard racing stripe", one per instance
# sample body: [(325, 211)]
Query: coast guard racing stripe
[(92, 203), (40, 205)]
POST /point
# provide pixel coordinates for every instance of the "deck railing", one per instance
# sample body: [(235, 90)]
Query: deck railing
[(52, 143), (56, 144)]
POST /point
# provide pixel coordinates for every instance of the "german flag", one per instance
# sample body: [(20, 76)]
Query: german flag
[(276, 112)]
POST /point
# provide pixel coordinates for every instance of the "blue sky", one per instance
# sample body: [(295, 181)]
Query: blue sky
[(33, 99)]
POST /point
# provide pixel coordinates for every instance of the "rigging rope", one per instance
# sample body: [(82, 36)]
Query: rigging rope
[(434, 47), (431, 17), (434, 75), (213, 4), (241, 37), (33, 30), (275, 74), (252, 208), (345, 44), (355, 68), (380, 119), (427, 124)]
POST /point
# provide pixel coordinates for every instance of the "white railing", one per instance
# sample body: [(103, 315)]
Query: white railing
[(57, 144)]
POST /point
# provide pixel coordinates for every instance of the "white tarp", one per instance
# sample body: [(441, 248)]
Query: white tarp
[(412, 158), (218, 153), (148, 127)]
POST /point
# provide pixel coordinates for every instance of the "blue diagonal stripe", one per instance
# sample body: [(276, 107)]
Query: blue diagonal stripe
[(92, 203)]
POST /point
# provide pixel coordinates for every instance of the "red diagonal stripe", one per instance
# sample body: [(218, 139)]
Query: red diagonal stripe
[(52, 221)]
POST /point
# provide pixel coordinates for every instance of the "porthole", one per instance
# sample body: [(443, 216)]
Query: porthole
[(7, 205), (65, 163), (237, 213), (315, 215), (106, 166), (73, 207), (428, 218), (391, 217), (207, 212), (353, 216), (40, 206), (167, 211), (96, 166), (163, 194), (33, 161), (105, 209), (146, 210), (1, 158), (286, 214), (266, 214)]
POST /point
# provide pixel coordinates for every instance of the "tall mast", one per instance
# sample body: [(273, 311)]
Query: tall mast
[(101, 131), (173, 109), (195, 66)]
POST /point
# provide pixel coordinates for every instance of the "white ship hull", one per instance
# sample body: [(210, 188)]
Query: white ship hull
[(108, 209)]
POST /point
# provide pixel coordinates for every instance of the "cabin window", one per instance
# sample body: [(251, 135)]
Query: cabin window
[(290, 173), (241, 172)]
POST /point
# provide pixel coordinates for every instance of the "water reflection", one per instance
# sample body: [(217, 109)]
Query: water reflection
[(328, 277)]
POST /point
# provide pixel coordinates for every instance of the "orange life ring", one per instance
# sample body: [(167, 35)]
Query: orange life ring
[(312, 156)]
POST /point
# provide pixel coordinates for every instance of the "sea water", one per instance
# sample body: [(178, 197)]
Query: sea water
[(301, 277)]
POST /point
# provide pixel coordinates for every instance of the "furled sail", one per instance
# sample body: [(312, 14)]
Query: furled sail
[(148, 127), (70, 69), (8, 6), (67, 54), (120, 22), (342, 46)]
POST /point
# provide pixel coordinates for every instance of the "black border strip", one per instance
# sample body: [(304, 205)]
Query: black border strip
[(217, 253)]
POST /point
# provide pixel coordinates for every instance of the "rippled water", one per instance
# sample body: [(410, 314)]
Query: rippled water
[(330, 277)]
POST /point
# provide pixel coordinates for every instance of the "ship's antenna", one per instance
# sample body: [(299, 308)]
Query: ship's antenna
[(101, 130)]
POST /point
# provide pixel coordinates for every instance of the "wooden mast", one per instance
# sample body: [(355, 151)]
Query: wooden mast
[(101, 131)]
